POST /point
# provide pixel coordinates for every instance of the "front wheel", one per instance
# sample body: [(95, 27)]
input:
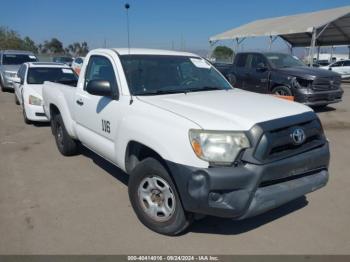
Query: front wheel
[(282, 91), (155, 200), (25, 118)]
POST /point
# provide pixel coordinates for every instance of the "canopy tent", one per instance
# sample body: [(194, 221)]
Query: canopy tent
[(323, 28)]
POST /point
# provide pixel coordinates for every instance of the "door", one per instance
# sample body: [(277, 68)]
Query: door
[(337, 67), (257, 79), (97, 116), (346, 68)]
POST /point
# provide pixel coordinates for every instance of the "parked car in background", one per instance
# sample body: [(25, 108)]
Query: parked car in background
[(29, 82), (340, 67), (77, 64), (10, 61), (191, 143), (63, 59), (283, 75)]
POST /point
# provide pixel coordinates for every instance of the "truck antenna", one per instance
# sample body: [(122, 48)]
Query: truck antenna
[(127, 7)]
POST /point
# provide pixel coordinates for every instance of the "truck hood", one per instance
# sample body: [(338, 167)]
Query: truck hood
[(306, 72), (10, 68), (226, 110)]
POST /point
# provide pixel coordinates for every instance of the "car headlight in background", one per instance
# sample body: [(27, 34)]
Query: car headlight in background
[(218, 147), (36, 101), (10, 74)]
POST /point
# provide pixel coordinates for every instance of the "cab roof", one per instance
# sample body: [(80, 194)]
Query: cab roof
[(46, 64), (145, 51)]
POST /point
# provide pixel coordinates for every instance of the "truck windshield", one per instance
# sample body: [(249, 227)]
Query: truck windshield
[(162, 74), (14, 59), (37, 76), (279, 60)]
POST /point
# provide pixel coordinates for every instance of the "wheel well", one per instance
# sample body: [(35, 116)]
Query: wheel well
[(53, 111), (136, 152)]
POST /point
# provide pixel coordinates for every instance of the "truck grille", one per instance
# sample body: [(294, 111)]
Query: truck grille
[(278, 143), (326, 83)]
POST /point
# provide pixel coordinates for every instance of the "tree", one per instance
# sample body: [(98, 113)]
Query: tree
[(29, 44), (9, 39), (54, 46), (223, 52), (79, 49)]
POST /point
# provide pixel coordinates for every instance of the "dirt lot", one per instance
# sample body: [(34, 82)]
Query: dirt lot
[(50, 204)]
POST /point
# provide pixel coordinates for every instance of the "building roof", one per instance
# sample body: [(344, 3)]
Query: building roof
[(297, 29)]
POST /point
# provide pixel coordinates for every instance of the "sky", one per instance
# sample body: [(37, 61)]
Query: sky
[(177, 24)]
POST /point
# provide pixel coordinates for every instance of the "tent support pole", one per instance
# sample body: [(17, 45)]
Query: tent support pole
[(272, 39), (318, 53), (312, 47), (331, 58)]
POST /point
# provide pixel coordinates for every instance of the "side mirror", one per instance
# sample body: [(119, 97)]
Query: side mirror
[(17, 80), (330, 68), (99, 88), (232, 79), (261, 67)]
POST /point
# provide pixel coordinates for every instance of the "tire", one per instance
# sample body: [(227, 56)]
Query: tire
[(150, 179), (16, 99), (25, 118), (65, 144), (282, 91), (2, 87)]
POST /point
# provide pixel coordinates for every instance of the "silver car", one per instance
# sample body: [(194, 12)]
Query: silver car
[(10, 62)]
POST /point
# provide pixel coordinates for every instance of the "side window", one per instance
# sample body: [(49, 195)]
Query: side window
[(79, 61), (346, 63), (257, 61), (337, 64), (100, 68), (241, 60)]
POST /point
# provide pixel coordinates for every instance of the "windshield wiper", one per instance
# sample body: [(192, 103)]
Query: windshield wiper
[(205, 88), (161, 92)]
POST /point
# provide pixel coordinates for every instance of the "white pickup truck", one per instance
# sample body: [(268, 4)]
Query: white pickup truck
[(191, 143)]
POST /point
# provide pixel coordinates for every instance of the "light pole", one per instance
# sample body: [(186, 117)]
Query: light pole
[(127, 7)]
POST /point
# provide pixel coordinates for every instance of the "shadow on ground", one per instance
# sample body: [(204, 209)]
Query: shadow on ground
[(211, 225), (105, 165), (225, 226)]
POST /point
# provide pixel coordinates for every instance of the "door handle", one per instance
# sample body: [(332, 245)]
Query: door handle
[(80, 102)]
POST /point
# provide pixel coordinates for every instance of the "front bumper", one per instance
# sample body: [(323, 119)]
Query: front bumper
[(8, 83), (250, 189), (317, 98), (35, 113)]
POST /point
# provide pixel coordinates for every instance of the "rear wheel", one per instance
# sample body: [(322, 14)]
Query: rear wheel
[(65, 144), (155, 200), (282, 91)]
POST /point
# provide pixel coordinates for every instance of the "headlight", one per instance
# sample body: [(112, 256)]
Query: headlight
[(36, 101), (10, 74), (218, 147), (301, 82)]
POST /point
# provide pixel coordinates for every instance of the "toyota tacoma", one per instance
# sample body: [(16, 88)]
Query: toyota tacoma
[(191, 143)]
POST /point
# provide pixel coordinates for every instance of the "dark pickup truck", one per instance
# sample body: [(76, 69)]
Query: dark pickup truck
[(285, 75)]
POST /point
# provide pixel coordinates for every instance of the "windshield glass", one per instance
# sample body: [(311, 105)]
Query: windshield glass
[(63, 59), (13, 59), (279, 60), (161, 74), (38, 75)]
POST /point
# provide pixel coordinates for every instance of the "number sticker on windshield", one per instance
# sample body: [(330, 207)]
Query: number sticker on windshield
[(200, 63), (32, 57), (67, 71)]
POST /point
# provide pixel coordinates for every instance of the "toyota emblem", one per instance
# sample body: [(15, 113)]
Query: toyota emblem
[(298, 136)]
